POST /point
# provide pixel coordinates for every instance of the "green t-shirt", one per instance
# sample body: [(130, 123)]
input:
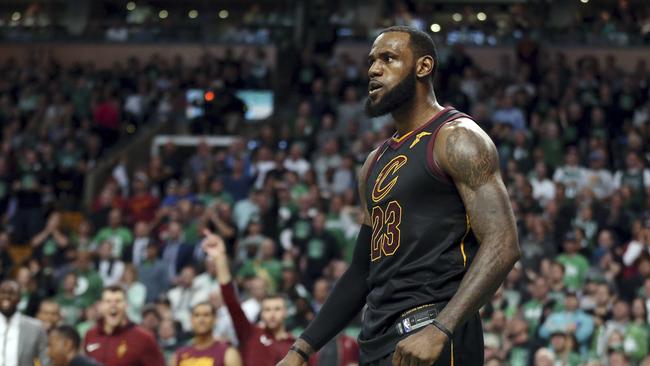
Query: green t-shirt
[(519, 356), (270, 270), (89, 287), (533, 311), (191, 232), (121, 238), (575, 270), (71, 308), (553, 151), (209, 198), (635, 343)]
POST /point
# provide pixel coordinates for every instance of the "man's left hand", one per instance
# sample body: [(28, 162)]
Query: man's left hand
[(422, 348)]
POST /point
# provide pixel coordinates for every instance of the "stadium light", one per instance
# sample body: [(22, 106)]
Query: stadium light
[(584, 1), (223, 14), (208, 96), (193, 14), (457, 17), (130, 6), (15, 16), (163, 14), (435, 27), (481, 16)]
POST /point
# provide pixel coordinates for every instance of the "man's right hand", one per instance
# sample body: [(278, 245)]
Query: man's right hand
[(215, 248), (213, 245)]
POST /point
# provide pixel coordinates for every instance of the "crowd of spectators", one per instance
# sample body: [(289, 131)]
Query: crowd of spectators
[(612, 22), (572, 141)]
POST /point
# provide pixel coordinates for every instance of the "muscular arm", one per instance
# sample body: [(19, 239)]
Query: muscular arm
[(349, 295), (468, 155)]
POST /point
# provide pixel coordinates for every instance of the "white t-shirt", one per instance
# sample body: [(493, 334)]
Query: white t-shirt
[(9, 334)]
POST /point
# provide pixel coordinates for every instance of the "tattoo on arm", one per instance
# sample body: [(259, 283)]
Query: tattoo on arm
[(468, 155)]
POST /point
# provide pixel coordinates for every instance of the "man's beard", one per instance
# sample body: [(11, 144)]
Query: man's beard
[(394, 98)]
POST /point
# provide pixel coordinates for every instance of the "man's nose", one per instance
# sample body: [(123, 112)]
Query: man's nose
[(375, 70)]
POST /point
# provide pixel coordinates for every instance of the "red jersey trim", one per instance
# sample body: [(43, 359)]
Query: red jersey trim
[(395, 143), (432, 164)]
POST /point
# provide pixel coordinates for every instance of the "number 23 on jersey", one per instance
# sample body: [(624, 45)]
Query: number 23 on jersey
[(385, 230)]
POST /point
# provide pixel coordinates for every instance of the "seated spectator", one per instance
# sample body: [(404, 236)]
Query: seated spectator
[(176, 253), (153, 274), (119, 235), (239, 182), (571, 175), (136, 293), (51, 242), (49, 313), (575, 264), (563, 345), (180, 297), (109, 268), (319, 250), (572, 320), (142, 239), (257, 289), (83, 269), (71, 305), (142, 205), (296, 162), (263, 265), (168, 338), (508, 113), (635, 176), (597, 177)]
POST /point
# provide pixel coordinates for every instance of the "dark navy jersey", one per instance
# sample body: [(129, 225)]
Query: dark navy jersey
[(422, 242)]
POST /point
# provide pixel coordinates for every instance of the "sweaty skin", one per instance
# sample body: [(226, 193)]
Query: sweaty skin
[(469, 157)]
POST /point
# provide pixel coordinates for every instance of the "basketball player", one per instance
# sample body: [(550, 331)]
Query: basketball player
[(439, 234), (204, 349)]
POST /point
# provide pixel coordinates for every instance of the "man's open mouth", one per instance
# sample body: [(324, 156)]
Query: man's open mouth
[(374, 87)]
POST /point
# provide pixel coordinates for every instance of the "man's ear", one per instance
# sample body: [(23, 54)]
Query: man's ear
[(424, 66)]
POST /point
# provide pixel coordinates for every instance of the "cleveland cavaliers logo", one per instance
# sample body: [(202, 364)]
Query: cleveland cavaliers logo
[(383, 184)]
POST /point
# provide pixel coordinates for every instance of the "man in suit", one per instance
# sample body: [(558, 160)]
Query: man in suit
[(176, 253), (22, 339)]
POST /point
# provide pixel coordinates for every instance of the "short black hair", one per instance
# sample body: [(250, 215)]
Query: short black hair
[(421, 44), (213, 309), (69, 333), (114, 288)]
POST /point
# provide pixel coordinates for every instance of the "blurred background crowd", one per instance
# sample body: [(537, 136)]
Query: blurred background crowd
[(572, 138)]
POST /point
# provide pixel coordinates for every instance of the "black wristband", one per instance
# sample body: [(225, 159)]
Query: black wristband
[(300, 352), (442, 328)]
